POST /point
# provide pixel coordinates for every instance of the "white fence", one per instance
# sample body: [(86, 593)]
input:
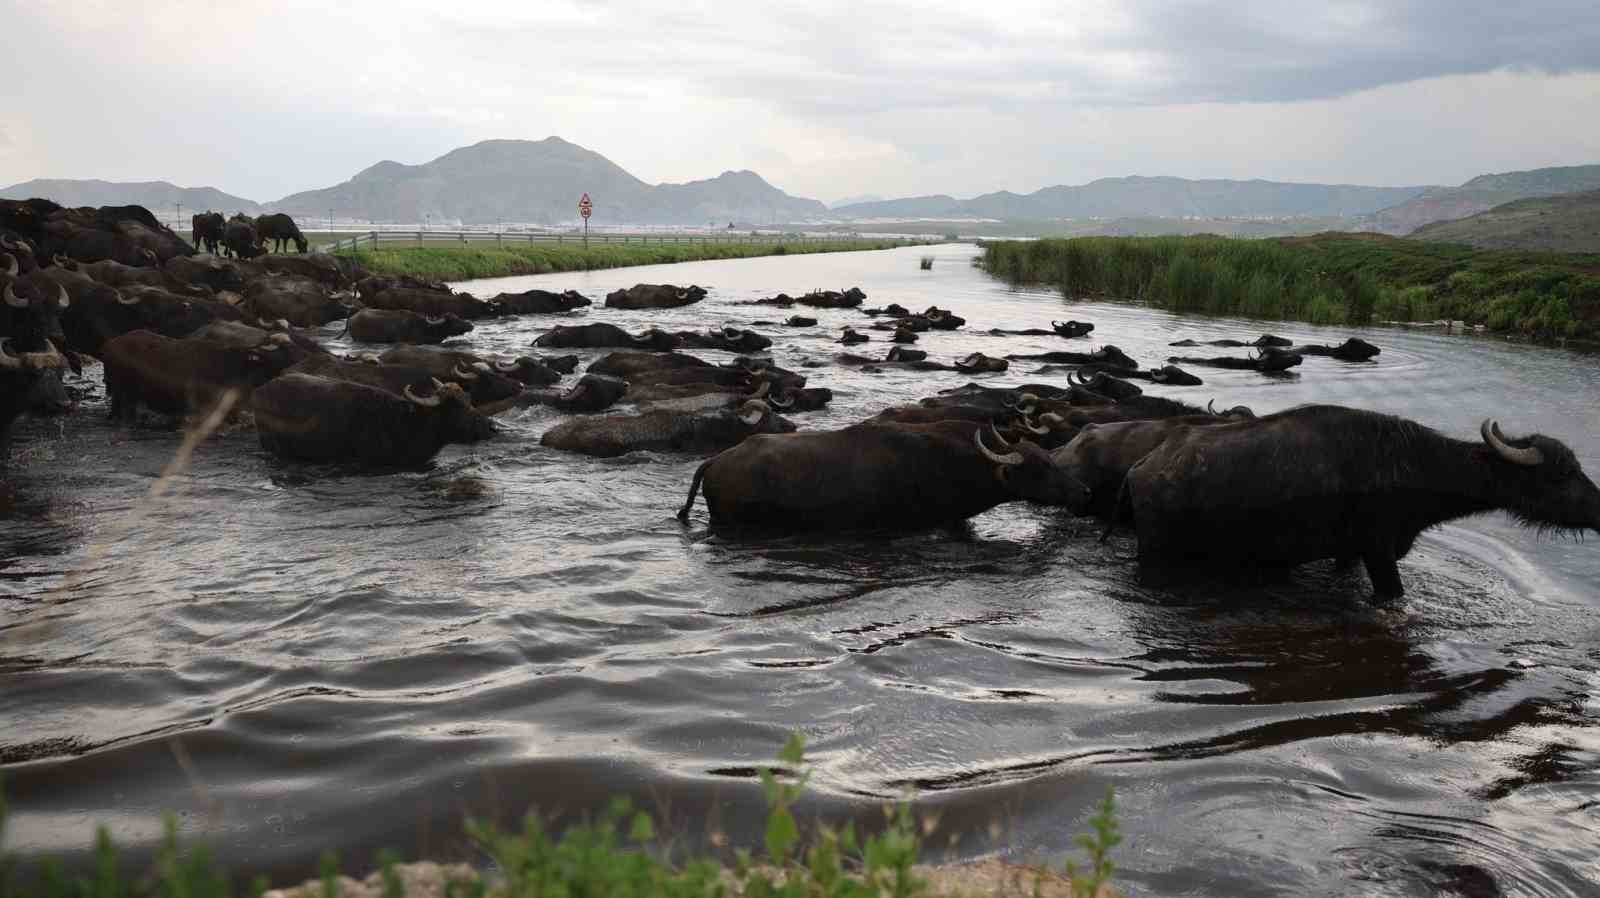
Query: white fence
[(377, 238)]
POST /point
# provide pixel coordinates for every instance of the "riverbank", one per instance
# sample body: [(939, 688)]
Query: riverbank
[(453, 263), (1333, 278)]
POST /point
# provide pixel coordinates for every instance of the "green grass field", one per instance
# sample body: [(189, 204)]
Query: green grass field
[(1331, 278), (485, 260)]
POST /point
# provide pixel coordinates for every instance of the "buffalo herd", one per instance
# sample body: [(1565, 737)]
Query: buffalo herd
[(183, 334)]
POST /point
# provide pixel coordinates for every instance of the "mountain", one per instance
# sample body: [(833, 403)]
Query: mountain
[(157, 196), (541, 181), (1481, 194), (1159, 197), (1567, 223), (851, 200)]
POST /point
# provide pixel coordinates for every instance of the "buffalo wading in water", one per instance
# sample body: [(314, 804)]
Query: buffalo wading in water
[(181, 377), (392, 326), (601, 336), (1267, 360), (874, 476), (665, 431), (32, 347), (312, 418), (654, 296), (1324, 481)]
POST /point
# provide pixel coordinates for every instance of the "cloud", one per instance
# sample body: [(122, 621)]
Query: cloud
[(824, 98)]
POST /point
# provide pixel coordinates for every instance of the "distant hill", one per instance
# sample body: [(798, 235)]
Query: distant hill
[(1481, 194), (1568, 223), (541, 181), (158, 196), (1145, 197), (851, 200)]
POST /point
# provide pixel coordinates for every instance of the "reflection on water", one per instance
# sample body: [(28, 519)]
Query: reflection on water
[(357, 660)]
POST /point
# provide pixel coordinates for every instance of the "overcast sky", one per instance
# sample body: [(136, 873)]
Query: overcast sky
[(824, 99)]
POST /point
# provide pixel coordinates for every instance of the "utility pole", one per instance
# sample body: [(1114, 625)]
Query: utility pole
[(180, 216), (330, 219)]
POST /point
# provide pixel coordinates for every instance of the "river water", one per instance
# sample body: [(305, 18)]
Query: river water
[(293, 657)]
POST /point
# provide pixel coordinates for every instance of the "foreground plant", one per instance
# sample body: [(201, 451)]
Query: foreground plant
[(616, 856)]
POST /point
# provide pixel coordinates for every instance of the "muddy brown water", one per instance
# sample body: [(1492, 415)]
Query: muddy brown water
[(294, 657)]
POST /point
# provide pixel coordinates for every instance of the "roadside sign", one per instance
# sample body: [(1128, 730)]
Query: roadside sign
[(585, 206)]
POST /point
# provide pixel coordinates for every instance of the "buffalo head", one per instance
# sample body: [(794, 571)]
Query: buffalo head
[(1546, 486)]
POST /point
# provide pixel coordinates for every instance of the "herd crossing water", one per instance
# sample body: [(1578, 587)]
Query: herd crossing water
[(293, 657)]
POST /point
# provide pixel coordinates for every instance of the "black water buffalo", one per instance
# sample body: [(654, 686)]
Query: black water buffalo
[(115, 274), (1261, 341), (873, 475), (32, 348), (178, 377), (320, 267), (893, 310), (1107, 356), (1330, 482), (902, 354), (369, 287), (127, 234), (665, 431), (1099, 456), (1068, 329), (540, 302), (172, 315), (206, 229), (851, 337), (628, 363), (241, 239), (477, 375), (917, 324), (206, 271), (904, 335), (833, 299), (1354, 349), (239, 335), (1103, 384), (431, 302), (20, 252), (312, 418), (397, 326), (800, 321), (730, 339), (302, 301), (654, 296), (1166, 375), (592, 393), (1267, 360), (942, 319), (602, 336), (280, 229), (978, 363)]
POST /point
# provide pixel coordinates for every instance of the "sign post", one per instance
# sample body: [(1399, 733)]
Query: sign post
[(585, 207)]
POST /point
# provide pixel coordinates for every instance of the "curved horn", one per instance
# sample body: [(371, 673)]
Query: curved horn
[(506, 366), (995, 432), (264, 323), (424, 401), (461, 373), (63, 301), (1052, 420), (49, 358), (776, 402), (1033, 428), (278, 340), (8, 244), (1010, 458), (761, 391), (482, 366), (433, 319), (7, 360), (753, 411), (1211, 406), (1158, 375), (11, 265), (13, 300), (126, 300), (1497, 441)]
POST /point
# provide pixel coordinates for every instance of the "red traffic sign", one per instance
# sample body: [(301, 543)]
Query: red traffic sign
[(585, 206)]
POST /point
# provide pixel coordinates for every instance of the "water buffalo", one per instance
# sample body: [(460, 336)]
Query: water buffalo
[(730, 339), (917, 324), (23, 260), (207, 229), (431, 302), (394, 326), (32, 347), (904, 335), (239, 335), (893, 310), (240, 238), (1099, 456), (1354, 349), (312, 418), (1068, 329), (873, 475), (943, 320), (302, 301), (592, 393), (1267, 360), (280, 229), (540, 302), (178, 377), (627, 363), (851, 336), (654, 296), (369, 287), (127, 234), (115, 274), (1107, 356), (1361, 485), (833, 299), (476, 375), (800, 321), (601, 336), (902, 354), (204, 271), (170, 314), (978, 363), (1166, 375), (665, 431), (320, 267), (1261, 341)]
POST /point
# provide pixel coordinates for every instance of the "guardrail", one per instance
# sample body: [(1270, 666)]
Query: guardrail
[(376, 238)]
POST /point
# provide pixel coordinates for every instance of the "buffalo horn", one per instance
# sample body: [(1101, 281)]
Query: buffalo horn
[(1052, 420), (461, 373), (1033, 428), (761, 391), (1158, 375), (9, 244), (7, 360), (424, 401), (126, 300), (13, 300), (507, 366), (482, 366), (753, 411), (1497, 441), (433, 319), (1211, 406), (1010, 458), (1000, 440), (275, 340), (11, 265), (50, 358), (1077, 377)]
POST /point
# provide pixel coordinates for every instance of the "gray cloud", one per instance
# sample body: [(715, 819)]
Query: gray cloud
[(825, 98)]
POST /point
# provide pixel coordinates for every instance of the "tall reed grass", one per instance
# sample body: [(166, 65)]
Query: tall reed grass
[(1326, 279)]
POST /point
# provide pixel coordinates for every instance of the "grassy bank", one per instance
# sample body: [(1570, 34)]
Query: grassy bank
[(461, 263), (621, 856), (1324, 279)]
